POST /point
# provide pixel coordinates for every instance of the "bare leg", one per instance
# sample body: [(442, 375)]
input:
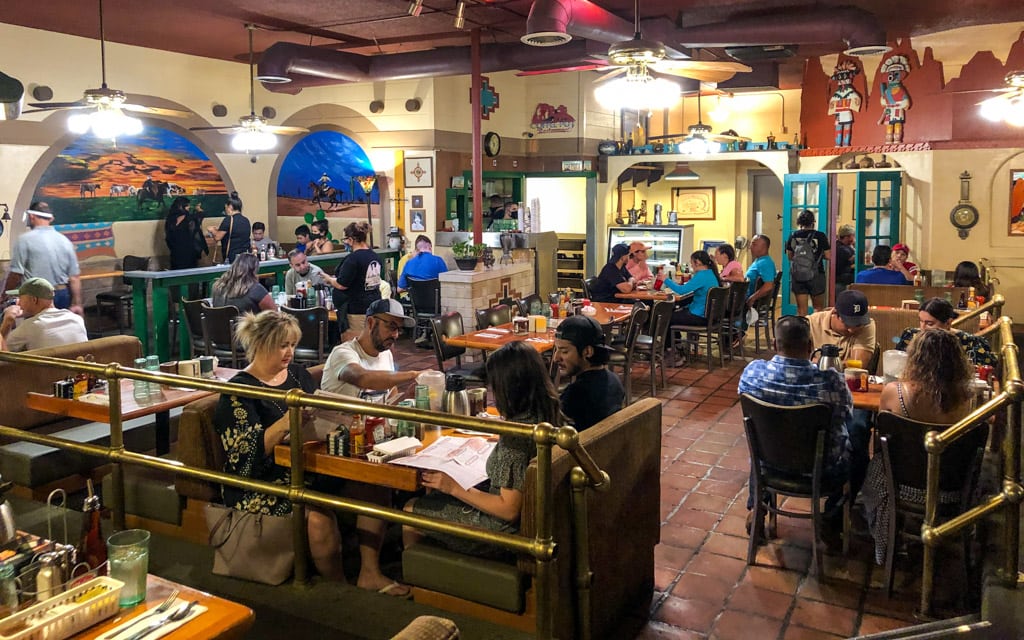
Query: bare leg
[(801, 304), (818, 301), (371, 535), (325, 544), (410, 535)]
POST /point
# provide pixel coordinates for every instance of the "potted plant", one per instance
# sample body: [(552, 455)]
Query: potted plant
[(467, 254)]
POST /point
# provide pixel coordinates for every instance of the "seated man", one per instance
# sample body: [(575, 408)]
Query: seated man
[(42, 325), (302, 269), (791, 379), (613, 278), (424, 265), (581, 353), (260, 240), (302, 239), (762, 268), (883, 272)]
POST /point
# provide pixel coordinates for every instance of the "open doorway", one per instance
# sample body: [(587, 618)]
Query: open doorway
[(766, 198)]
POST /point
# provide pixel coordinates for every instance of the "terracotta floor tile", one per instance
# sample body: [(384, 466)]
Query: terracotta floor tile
[(824, 617), (870, 623), (720, 473), (679, 481), (692, 615), (704, 520), (726, 545), (716, 566), (682, 536), (661, 631), (773, 579), (784, 556), (700, 457), (735, 462), (744, 626), (764, 602), (685, 468), (843, 594), (711, 447), (721, 488), (706, 502), (675, 409), (733, 525), (803, 633), (671, 557), (704, 588)]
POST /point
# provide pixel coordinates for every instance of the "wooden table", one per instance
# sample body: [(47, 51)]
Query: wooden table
[(95, 273), (223, 619), (609, 313), (868, 400), (646, 296), (131, 408), (502, 335)]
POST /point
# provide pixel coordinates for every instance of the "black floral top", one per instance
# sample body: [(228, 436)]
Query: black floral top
[(978, 349), (241, 422)]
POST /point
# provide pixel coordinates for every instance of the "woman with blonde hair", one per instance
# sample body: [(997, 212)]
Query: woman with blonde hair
[(249, 430), (240, 287)]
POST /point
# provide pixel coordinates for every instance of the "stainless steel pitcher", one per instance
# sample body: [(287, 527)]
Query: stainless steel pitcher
[(455, 399), (829, 357)]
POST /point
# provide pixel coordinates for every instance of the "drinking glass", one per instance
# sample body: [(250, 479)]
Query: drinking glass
[(128, 554)]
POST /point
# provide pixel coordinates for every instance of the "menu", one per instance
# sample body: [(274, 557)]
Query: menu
[(464, 459)]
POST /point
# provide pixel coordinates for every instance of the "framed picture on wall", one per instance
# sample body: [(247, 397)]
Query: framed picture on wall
[(1016, 202), (694, 203), (419, 172), (417, 202), (417, 219)]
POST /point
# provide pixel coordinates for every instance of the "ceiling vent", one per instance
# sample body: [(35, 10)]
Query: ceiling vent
[(762, 52)]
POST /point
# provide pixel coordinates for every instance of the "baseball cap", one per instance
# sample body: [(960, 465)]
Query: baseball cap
[(619, 250), (638, 246), (390, 307), (902, 247), (37, 287), (852, 307), (581, 331)]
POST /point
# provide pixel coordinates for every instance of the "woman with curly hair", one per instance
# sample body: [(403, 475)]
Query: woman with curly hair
[(936, 383)]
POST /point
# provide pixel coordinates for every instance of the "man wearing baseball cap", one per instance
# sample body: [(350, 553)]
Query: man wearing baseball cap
[(614, 278), (581, 353), (41, 325), (637, 264), (899, 262), (845, 256), (45, 253), (364, 366), (847, 325)]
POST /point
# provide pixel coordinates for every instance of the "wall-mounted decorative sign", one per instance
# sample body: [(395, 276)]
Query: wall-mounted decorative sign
[(550, 119), (1017, 202), (490, 99), (419, 173), (694, 203), (572, 165)]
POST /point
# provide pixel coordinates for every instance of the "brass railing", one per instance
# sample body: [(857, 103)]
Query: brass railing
[(995, 309), (1008, 499), (541, 547)]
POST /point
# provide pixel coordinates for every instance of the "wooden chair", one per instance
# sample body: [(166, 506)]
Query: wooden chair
[(120, 297), (426, 304), (219, 334), (787, 447), (312, 347), (528, 303), (733, 320), (716, 309), (193, 310), (766, 314), (450, 325), (496, 315), (651, 346), (623, 357), (902, 439), (588, 286)]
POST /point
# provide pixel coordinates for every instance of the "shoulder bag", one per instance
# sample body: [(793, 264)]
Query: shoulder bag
[(250, 546)]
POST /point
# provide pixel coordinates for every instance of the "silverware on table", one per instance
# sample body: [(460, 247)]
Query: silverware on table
[(178, 614), (164, 606)]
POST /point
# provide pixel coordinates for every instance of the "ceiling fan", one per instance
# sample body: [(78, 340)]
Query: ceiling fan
[(1008, 106), (252, 133), (108, 104), (638, 57)]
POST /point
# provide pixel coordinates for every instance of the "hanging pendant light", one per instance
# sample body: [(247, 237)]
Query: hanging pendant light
[(460, 15), (1009, 106), (682, 172), (697, 143)]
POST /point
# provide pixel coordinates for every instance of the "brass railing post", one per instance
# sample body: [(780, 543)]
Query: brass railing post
[(543, 436), (298, 484), (581, 544), (117, 444)]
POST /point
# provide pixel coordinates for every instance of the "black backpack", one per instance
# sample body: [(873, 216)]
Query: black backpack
[(803, 267), (199, 246)]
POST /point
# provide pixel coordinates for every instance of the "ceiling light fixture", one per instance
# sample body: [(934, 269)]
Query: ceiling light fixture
[(723, 108), (415, 7), (1007, 107), (460, 15), (697, 143), (637, 90), (682, 172)]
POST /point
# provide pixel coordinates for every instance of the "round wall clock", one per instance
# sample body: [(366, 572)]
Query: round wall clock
[(964, 214), (492, 144)]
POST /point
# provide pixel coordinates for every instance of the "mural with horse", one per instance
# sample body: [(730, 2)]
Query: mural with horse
[(91, 181), (320, 172)]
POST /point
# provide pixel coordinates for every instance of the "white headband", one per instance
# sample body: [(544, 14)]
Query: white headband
[(41, 214)]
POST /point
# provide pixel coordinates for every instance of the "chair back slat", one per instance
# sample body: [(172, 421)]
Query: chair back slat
[(447, 326), (425, 295), (637, 322), (588, 287), (737, 301), (661, 318), (526, 304), (134, 263), (494, 316), (910, 460), (313, 338), (717, 306), (784, 438)]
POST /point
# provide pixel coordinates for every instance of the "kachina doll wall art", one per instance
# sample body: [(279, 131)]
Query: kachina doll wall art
[(845, 100), (894, 96)]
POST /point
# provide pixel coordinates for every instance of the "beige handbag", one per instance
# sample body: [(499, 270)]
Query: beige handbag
[(250, 546)]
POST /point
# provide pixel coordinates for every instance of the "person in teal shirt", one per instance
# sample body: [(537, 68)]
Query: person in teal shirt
[(705, 276), (762, 267)]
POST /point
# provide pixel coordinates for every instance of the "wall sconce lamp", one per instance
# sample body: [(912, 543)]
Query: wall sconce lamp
[(415, 7), (460, 15), (7, 213)]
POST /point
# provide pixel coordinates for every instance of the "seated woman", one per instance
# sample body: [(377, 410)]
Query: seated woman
[(935, 387), (705, 277), (240, 287), (936, 313), (967, 275), (320, 243), (249, 429), (523, 392), (732, 270)]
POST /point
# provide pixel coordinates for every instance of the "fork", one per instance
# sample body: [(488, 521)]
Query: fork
[(164, 606), (178, 614)]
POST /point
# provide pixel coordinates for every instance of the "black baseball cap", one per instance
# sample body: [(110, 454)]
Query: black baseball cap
[(620, 250), (391, 308), (852, 307), (582, 331)]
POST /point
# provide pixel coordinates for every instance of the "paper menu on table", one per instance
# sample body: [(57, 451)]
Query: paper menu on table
[(464, 459)]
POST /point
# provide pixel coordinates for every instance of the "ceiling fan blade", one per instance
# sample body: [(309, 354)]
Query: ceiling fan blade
[(721, 137), (611, 74), (42, 106), (49, 109), (705, 71), (703, 76), (221, 128), (287, 131), (157, 111)]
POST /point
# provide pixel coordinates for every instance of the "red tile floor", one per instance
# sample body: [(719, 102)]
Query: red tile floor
[(703, 586)]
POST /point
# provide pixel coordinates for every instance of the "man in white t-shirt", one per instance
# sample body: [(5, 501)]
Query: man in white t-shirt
[(364, 366), (41, 324)]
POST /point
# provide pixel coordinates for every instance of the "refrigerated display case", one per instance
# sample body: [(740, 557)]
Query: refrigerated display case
[(668, 243)]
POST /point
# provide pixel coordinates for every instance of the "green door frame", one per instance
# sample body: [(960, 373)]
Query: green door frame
[(877, 212), (801, 191)]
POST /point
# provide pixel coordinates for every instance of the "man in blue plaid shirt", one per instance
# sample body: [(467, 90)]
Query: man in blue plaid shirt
[(791, 379)]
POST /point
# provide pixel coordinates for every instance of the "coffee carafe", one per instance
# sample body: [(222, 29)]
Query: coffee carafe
[(455, 399), (8, 531), (657, 214), (829, 357)]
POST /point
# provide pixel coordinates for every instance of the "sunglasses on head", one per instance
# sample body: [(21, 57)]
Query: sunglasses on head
[(802, 319)]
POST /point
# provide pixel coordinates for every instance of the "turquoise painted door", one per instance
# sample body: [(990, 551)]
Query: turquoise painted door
[(877, 212), (800, 191)]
